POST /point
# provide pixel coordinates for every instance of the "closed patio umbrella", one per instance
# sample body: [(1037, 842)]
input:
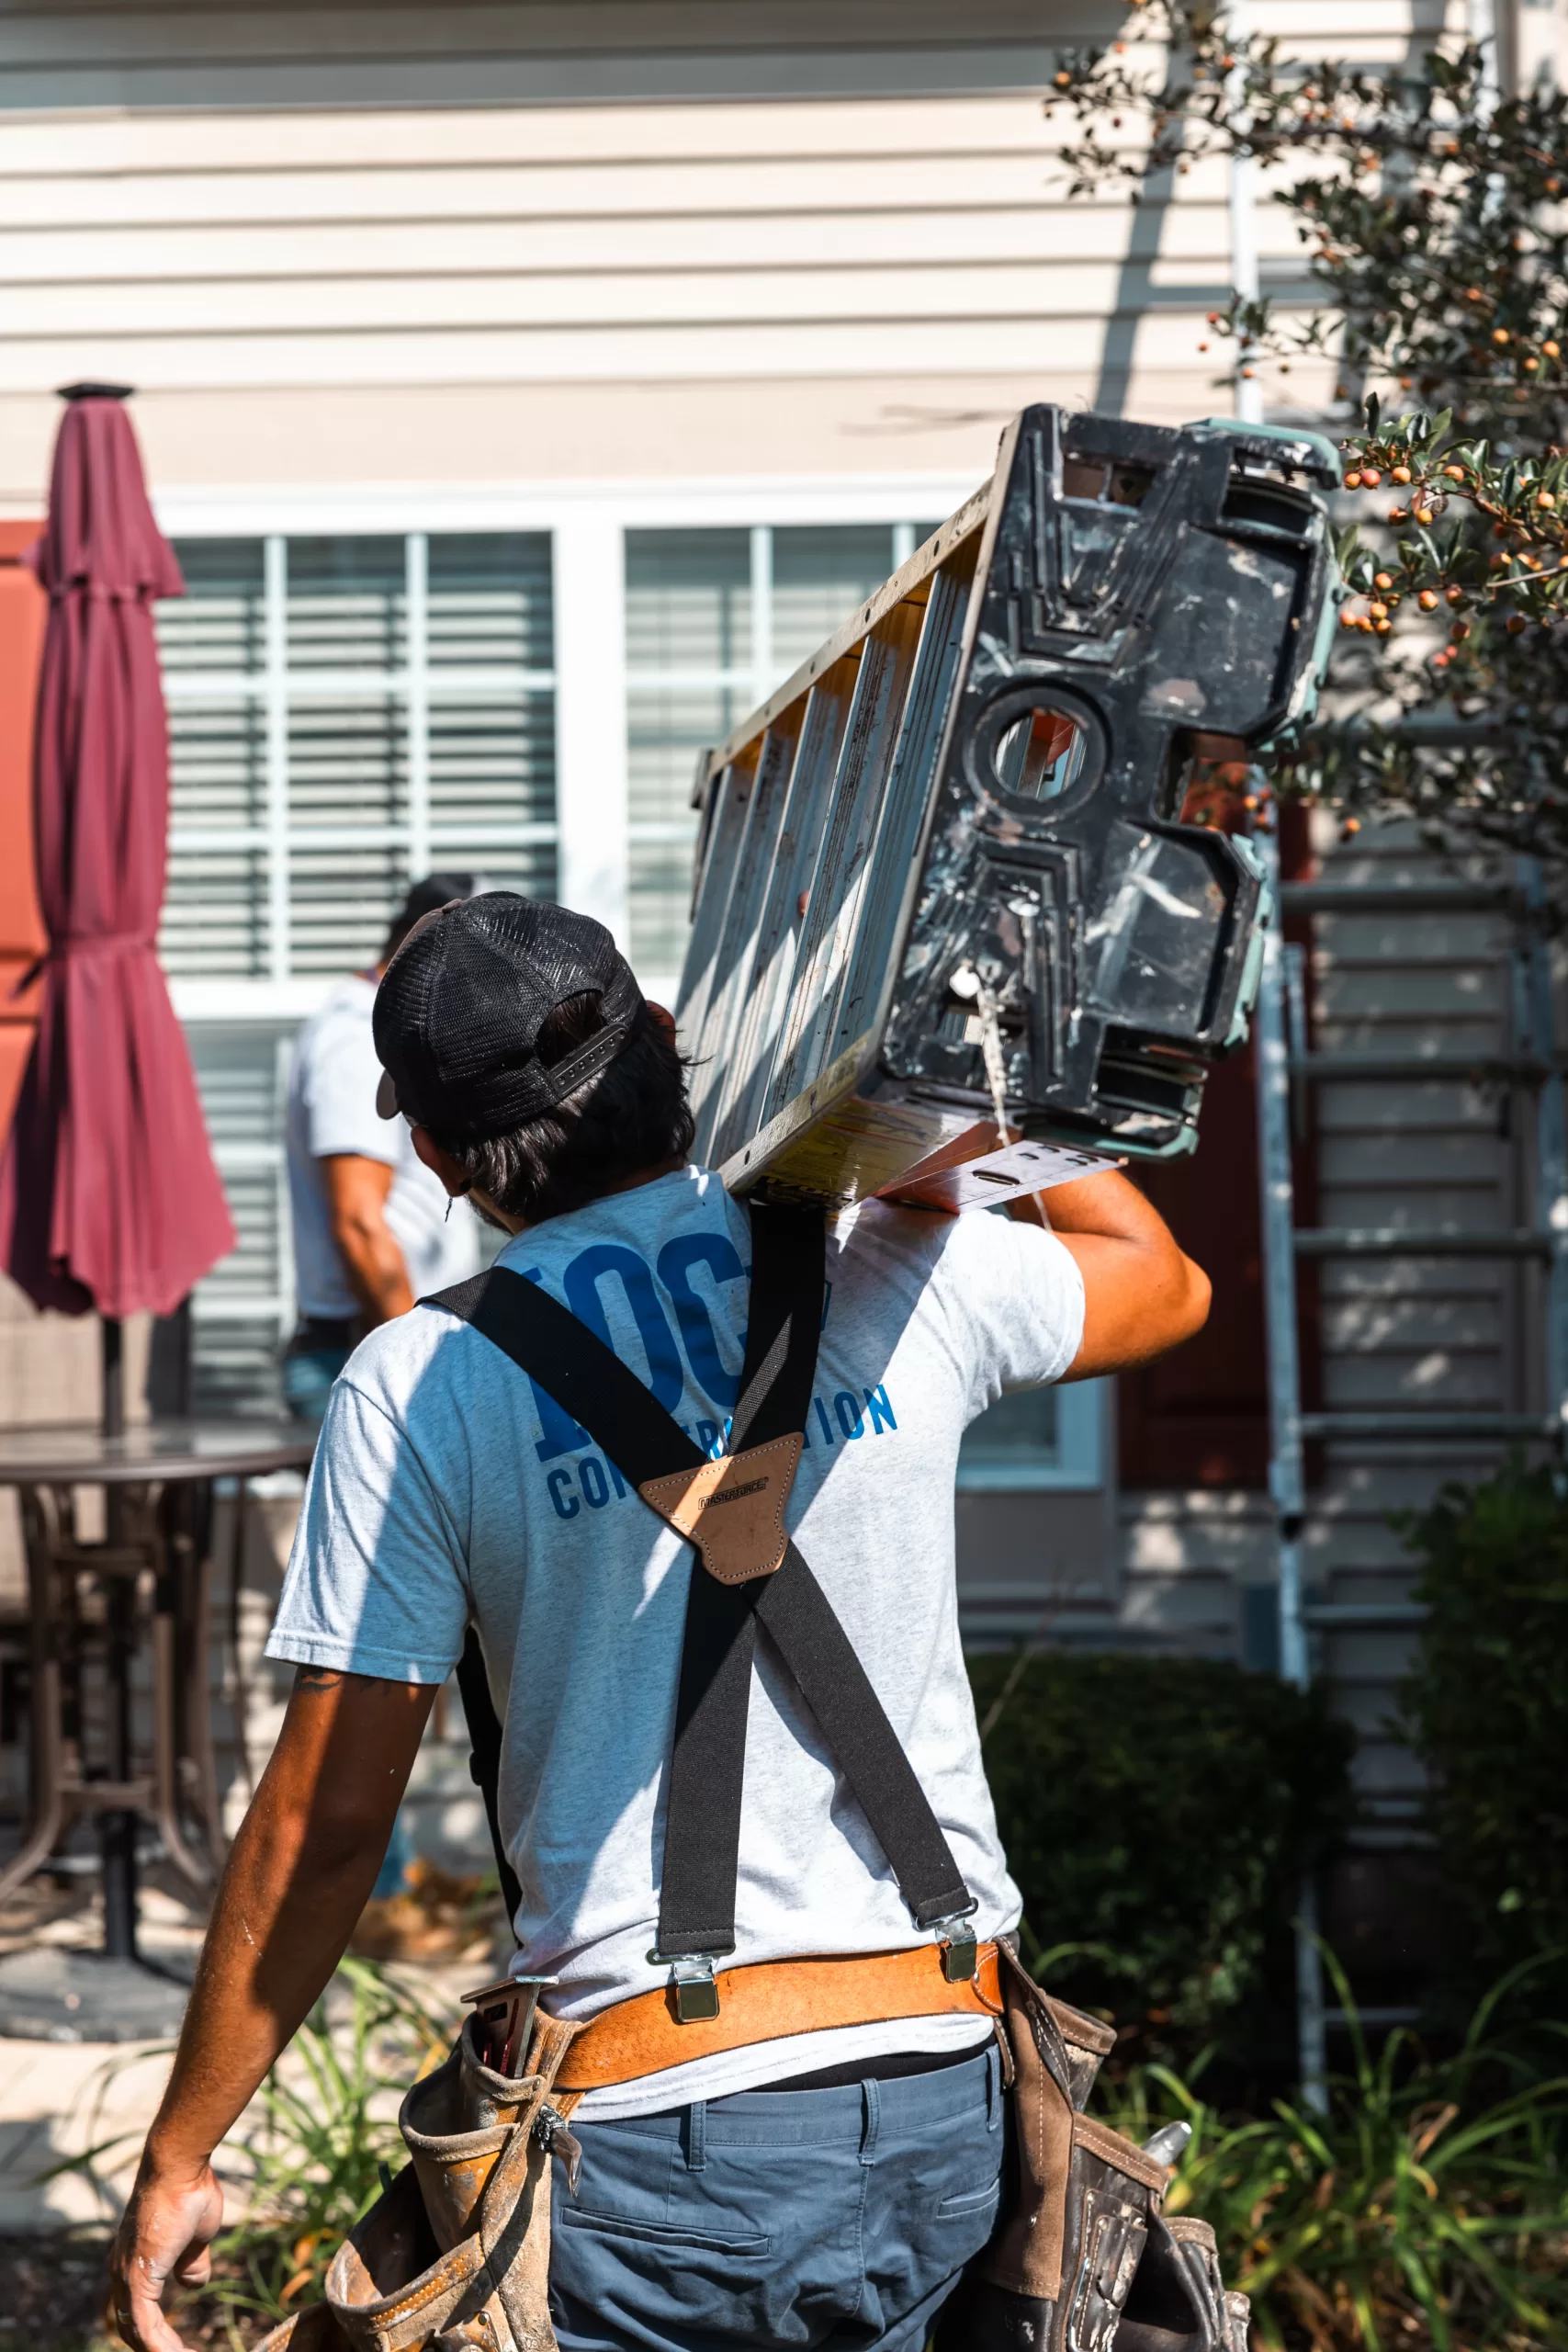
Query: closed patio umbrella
[(109, 1196)]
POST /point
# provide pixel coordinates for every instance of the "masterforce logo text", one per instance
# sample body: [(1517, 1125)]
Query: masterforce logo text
[(733, 1494)]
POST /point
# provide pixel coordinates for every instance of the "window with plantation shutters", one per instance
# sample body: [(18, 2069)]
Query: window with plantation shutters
[(715, 619), (347, 713)]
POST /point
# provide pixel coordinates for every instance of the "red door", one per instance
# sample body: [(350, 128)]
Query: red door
[(23, 609), (1200, 1417)]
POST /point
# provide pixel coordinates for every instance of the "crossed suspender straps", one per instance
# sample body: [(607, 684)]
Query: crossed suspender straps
[(728, 1601)]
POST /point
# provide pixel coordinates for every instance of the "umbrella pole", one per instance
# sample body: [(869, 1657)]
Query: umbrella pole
[(118, 1829), (112, 1336)]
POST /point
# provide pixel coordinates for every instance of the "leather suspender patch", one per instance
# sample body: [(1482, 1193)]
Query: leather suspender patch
[(732, 1509)]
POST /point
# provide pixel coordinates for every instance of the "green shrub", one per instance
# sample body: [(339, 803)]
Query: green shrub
[(1156, 1814), (1485, 1705), (1427, 2212)]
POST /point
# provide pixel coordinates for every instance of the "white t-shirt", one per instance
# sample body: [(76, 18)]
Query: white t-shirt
[(446, 1486), (332, 1109)]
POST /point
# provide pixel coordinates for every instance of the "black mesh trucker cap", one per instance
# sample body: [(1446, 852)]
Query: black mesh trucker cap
[(460, 1006)]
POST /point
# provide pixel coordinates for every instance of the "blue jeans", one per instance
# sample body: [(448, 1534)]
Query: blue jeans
[(825, 2218), (307, 1378)]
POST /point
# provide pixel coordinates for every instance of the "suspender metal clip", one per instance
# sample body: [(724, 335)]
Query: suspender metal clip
[(693, 1995), (697, 1995), (956, 1939)]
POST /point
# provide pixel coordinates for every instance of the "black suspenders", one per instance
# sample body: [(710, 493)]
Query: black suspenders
[(702, 1827)]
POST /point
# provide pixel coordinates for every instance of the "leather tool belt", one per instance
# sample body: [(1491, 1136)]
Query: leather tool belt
[(773, 1999), (455, 2252)]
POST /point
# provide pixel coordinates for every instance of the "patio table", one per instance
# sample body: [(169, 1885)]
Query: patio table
[(89, 1598)]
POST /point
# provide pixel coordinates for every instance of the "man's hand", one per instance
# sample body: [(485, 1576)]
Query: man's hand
[(296, 1882), (1142, 1294), (168, 2227), (357, 1191)]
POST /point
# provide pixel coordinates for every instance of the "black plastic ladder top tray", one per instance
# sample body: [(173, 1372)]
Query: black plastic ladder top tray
[(979, 778)]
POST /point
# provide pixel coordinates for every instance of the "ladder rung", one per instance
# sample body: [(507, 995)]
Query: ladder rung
[(1455, 1069), (1373, 2015), (1392, 897), (1428, 1425), (1417, 1242), (1349, 1615)]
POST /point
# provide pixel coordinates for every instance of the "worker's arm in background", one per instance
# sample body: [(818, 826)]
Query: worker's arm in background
[(357, 1191), (1142, 1294), (298, 1878)]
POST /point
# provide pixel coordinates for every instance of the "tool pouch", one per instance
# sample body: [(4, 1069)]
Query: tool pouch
[(1084, 2259), (455, 2255)]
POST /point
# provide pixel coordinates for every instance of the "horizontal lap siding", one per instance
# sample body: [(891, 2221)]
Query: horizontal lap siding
[(1402, 1333), (264, 273)]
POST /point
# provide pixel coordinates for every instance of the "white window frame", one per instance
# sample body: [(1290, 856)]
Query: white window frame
[(1081, 1451)]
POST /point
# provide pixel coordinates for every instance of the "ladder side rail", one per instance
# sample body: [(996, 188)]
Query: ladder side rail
[(1539, 1038), (726, 821), (709, 1024), (1287, 1473), (743, 1109), (866, 760), (896, 858)]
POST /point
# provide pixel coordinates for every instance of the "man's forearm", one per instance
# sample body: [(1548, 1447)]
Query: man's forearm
[(357, 1191), (304, 1862), (374, 1265), (286, 1906), (296, 1880)]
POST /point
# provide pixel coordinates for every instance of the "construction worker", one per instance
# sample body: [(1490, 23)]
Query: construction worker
[(809, 2187), (372, 1227)]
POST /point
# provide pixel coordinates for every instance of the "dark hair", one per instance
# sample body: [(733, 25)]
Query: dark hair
[(423, 898), (633, 1115)]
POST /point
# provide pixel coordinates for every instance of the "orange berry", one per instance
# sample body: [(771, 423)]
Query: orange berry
[(1370, 477), (1399, 513), (1378, 610), (1545, 498), (1459, 631), (1428, 601), (1530, 367), (1400, 473), (1500, 335), (1454, 595), (1424, 514), (1352, 481), (1384, 580), (1347, 620), (1454, 473), (1516, 623), (1551, 350), (1383, 626)]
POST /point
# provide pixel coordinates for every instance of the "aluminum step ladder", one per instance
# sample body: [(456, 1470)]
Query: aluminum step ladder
[(1285, 1062)]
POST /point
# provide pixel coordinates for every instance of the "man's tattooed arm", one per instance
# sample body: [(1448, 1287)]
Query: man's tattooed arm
[(316, 1678)]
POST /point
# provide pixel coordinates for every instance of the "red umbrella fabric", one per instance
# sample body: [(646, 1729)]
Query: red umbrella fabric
[(109, 1196)]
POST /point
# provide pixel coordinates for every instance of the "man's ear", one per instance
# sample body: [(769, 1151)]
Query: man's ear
[(664, 1018), (440, 1163)]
